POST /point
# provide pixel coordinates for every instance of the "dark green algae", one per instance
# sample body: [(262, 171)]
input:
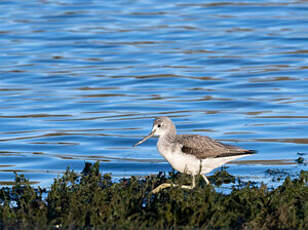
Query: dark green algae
[(92, 201)]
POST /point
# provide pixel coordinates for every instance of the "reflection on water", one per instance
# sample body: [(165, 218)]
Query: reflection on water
[(82, 81)]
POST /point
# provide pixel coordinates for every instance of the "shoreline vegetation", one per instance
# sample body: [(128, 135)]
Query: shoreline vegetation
[(92, 201)]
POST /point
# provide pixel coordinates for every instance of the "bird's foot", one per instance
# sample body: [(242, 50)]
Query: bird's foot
[(166, 185), (161, 187), (187, 186)]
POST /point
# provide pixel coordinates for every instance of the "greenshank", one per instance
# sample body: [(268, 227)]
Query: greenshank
[(191, 154)]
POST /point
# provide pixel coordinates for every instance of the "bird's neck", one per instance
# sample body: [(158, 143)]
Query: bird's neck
[(167, 138), (166, 141)]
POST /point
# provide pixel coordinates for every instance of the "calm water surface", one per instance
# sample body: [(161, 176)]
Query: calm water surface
[(82, 81)]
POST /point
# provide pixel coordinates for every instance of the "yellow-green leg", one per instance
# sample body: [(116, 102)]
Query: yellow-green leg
[(167, 185)]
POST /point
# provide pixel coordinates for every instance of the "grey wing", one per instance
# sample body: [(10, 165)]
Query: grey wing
[(203, 147)]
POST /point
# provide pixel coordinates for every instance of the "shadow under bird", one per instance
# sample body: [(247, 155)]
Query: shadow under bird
[(191, 154)]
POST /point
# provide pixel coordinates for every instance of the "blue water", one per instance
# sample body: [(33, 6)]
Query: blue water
[(82, 81)]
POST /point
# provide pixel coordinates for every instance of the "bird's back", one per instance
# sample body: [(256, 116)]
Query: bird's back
[(204, 147)]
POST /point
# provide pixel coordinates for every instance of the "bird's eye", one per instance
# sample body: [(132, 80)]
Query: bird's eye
[(159, 125)]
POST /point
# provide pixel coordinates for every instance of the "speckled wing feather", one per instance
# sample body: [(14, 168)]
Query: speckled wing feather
[(204, 147)]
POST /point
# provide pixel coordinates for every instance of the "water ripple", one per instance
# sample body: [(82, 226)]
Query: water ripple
[(83, 81)]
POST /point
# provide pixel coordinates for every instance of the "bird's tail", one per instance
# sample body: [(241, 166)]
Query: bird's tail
[(250, 151)]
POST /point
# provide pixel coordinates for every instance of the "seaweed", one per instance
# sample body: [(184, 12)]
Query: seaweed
[(92, 200), (300, 160)]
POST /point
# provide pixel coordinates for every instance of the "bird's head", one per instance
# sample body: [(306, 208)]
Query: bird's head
[(161, 127)]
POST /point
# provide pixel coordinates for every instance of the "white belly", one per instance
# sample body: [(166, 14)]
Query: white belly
[(181, 162)]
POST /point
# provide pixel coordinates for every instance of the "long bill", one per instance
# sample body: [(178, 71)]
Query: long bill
[(145, 138)]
